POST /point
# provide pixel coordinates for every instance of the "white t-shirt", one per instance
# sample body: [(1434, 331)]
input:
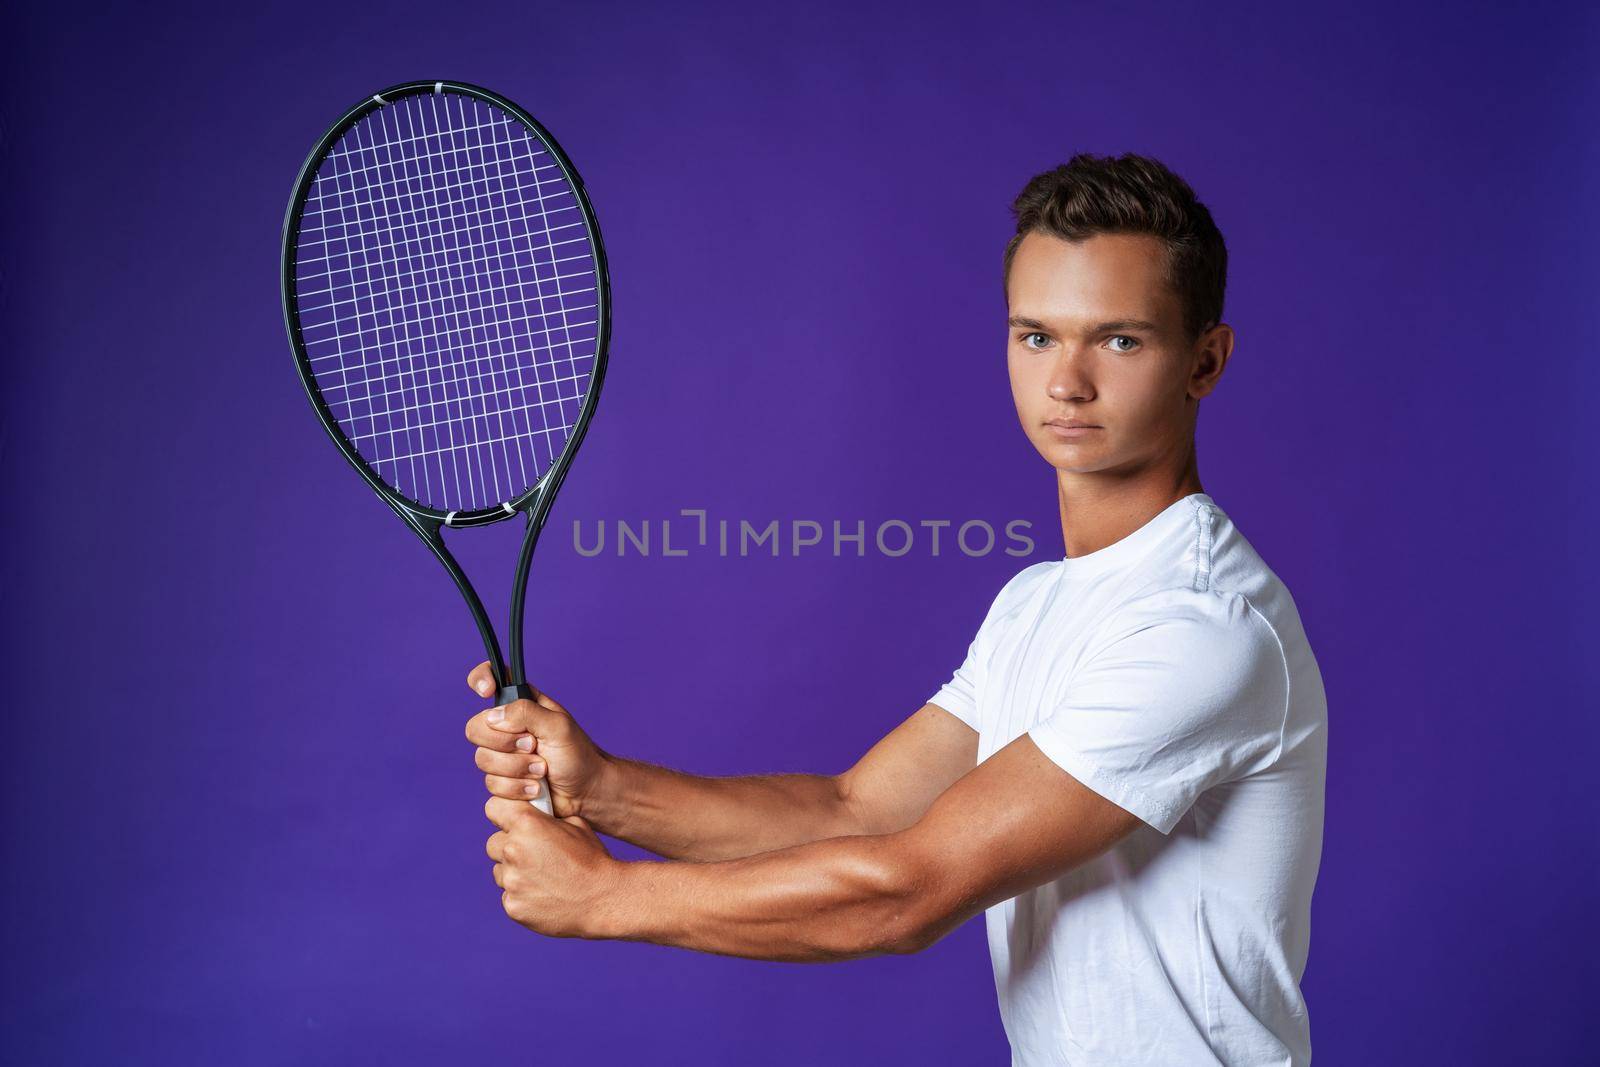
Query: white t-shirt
[(1169, 673)]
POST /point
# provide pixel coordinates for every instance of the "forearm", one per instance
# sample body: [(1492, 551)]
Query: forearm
[(687, 817), (828, 900)]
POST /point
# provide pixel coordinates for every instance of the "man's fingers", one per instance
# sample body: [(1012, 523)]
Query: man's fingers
[(509, 813), (480, 733), (496, 846), (513, 788), (509, 764), (525, 716), (481, 679)]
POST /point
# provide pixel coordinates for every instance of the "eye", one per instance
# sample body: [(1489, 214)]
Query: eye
[(1133, 342), (1028, 341)]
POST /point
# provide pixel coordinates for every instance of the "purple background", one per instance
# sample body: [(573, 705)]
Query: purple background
[(240, 822)]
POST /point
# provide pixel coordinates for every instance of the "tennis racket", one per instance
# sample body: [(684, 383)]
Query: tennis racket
[(446, 297)]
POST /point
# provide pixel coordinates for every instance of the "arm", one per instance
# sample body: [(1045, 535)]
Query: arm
[(1013, 823), (688, 817), (1192, 692), (683, 816)]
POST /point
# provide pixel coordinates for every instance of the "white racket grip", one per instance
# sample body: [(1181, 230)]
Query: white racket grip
[(542, 801), (522, 691)]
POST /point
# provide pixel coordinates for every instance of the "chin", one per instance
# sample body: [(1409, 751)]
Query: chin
[(1073, 459)]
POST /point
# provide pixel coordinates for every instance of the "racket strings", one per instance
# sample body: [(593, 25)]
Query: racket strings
[(447, 294)]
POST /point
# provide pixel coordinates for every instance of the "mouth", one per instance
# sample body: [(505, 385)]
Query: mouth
[(1071, 429)]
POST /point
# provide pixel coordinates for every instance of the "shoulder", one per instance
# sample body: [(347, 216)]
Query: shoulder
[(1210, 637), (1209, 608)]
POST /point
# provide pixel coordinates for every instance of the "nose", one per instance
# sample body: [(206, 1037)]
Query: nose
[(1069, 377)]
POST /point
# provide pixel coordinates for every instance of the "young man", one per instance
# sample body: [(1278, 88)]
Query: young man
[(1126, 771)]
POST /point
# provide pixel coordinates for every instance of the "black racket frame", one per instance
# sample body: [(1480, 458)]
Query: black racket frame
[(428, 522)]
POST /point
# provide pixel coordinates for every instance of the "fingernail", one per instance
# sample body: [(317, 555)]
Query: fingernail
[(524, 743), (536, 768), (497, 714), (484, 687), (531, 790)]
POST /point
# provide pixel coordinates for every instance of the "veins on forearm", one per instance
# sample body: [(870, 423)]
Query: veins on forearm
[(842, 898)]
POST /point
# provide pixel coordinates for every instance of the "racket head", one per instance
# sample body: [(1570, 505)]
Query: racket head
[(447, 300)]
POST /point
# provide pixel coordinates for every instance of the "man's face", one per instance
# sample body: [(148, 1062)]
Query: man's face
[(1103, 377)]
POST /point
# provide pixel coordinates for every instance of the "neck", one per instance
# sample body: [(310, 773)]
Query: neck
[(1102, 508)]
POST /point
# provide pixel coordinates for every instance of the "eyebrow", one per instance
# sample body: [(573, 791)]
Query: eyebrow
[(1102, 327)]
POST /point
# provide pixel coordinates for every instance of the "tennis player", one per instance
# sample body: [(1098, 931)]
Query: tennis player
[(1127, 769)]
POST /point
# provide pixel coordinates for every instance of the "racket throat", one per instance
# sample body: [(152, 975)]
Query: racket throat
[(519, 691), (430, 530)]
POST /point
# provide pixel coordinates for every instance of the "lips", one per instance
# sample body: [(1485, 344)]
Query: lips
[(1071, 429)]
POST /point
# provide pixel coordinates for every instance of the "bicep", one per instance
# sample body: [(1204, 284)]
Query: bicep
[(892, 786), (1015, 822)]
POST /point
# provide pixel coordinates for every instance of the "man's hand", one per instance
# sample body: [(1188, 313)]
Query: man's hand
[(528, 744), (554, 873)]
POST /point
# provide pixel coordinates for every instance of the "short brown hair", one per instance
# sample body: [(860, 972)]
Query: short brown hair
[(1131, 194)]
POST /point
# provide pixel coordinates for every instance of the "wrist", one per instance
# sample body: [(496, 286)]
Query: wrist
[(616, 915), (601, 806)]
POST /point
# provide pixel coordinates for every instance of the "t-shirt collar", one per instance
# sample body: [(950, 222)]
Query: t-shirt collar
[(1137, 544)]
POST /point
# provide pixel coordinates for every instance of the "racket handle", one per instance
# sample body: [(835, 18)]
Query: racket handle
[(523, 691)]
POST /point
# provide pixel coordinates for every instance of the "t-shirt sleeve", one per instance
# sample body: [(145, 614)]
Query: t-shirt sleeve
[(959, 696), (1189, 690)]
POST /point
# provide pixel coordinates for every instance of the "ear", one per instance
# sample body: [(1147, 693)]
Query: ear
[(1210, 359)]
